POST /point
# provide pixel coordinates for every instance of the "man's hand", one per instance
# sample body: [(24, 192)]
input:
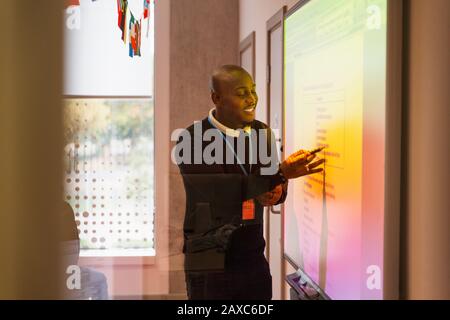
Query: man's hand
[(299, 164), (270, 198), (222, 235)]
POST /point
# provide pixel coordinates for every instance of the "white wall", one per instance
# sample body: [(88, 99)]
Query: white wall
[(253, 17)]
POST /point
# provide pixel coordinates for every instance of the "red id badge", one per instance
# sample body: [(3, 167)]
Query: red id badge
[(248, 210)]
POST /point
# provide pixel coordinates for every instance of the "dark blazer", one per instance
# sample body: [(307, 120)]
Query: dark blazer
[(214, 233)]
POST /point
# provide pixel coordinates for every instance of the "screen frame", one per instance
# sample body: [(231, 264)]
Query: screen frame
[(393, 147)]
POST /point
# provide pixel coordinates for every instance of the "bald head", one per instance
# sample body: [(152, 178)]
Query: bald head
[(233, 92), (224, 75)]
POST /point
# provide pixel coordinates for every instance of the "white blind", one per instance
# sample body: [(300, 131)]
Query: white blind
[(96, 59)]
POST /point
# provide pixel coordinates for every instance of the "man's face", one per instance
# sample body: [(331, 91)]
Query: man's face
[(238, 99)]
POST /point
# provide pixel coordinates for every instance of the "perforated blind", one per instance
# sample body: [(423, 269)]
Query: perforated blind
[(108, 164)]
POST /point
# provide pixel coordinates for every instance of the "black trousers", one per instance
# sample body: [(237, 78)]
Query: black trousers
[(247, 284)]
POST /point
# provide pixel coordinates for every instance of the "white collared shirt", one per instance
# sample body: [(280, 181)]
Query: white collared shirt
[(224, 129)]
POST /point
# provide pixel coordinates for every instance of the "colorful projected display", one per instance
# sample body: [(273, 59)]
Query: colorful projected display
[(335, 80)]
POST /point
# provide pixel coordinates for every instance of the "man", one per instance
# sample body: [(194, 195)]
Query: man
[(223, 226)]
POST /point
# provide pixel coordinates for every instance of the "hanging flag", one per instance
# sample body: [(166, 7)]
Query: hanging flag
[(69, 3), (146, 8), (132, 33), (139, 32), (135, 36), (122, 6)]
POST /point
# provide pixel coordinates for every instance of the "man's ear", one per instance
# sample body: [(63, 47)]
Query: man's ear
[(215, 98)]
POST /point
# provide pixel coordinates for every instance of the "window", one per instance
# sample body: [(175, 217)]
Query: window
[(108, 119)]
